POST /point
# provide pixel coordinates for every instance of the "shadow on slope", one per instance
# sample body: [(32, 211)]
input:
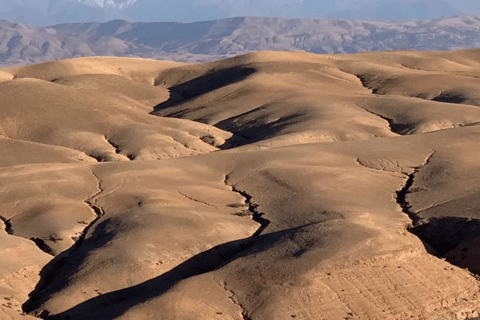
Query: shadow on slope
[(68, 260), (456, 92), (455, 239), (204, 84), (111, 305), (395, 127), (453, 97), (248, 127), (258, 129)]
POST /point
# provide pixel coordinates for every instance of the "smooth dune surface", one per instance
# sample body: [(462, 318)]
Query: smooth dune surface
[(273, 185)]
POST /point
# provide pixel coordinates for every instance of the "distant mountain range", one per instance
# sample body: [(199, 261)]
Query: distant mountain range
[(210, 40)]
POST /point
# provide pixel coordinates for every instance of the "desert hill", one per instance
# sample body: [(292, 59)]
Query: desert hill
[(212, 40), (273, 185)]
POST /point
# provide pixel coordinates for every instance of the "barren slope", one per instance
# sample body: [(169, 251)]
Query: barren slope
[(265, 186)]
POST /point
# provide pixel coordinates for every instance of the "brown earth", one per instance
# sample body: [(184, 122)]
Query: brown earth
[(264, 186)]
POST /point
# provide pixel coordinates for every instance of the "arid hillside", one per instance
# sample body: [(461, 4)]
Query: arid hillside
[(267, 186)]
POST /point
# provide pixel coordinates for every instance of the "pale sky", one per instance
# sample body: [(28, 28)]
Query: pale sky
[(47, 12), (197, 10)]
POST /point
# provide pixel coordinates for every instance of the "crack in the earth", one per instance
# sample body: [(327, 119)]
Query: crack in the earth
[(40, 243), (401, 195), (201, 263), (102, 156), (114, 145), (8, 225), (231, 296), (252, 207), (433, 206), (383, 169), (396, 128), (61, 260), (196, 200), (439, 235), (92, 203), (257, 217), (8, 230)]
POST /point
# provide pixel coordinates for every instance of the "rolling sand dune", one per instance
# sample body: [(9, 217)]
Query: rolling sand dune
[(272, 185)]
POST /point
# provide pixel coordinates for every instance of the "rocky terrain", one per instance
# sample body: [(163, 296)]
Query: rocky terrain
[(265, 186), (213, 40)]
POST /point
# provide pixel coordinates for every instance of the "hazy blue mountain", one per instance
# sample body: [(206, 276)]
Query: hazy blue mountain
[(209, 40)]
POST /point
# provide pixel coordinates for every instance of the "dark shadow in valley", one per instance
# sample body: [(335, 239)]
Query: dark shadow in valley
[(65, 263), (451, 97), (453, 238), (395, 127), (204, 84), (443, 236), (111, 305), (252, 131)]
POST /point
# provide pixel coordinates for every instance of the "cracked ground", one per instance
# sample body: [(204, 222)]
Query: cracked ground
[(265, 186)]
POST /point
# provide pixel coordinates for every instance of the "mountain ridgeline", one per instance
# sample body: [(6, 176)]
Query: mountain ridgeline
[(212, 40)]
